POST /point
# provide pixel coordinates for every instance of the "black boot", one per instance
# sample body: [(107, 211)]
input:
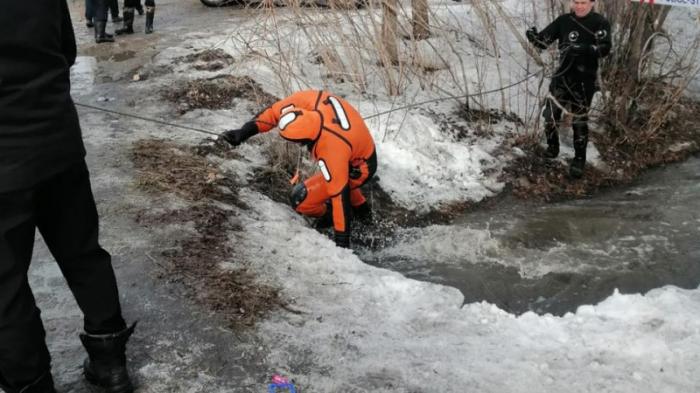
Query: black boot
[(552, 142), (580, 144), (150, 13), (362, 213), (43, 384), (100, 35), (576, 168), (89, 23), (139, 9), (106, 362), (128, 22)]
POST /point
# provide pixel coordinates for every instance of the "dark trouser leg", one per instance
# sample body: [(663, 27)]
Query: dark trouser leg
[(129, 8), (99, 8), (552, 114), (150, 14), (67, 219), (580, 127), (583, 96), (128, 22), (24, 357), (89, 13), (100, 16), (114, 10), (69, 223)]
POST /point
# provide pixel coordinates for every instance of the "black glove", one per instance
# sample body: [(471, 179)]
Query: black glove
[(342, 239), (531, 35), (236, 137), (583, 49)]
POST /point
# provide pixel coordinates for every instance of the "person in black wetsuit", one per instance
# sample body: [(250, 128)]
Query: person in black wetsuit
[(584, 37)]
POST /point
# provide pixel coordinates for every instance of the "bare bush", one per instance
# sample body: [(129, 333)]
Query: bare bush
[(476, 58)]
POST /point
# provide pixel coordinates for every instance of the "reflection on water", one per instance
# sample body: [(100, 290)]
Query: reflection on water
[(553, 258)]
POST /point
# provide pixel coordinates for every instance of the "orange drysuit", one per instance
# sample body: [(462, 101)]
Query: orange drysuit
[(338, 140)]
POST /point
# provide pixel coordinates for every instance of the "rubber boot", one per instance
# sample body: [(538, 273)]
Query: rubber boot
[(580, 145), (128, 22), (552, 142), (150, 13), (362, 213), (579, 161), (576, 168), (43, 384), (106, 362), (100, 35)]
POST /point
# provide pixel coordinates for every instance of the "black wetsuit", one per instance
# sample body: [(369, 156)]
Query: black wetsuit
[(582, 41)]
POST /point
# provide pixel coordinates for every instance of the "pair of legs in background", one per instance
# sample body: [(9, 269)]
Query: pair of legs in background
[(111, 5), (96, 15), (63, 209), (130, 6), (575, 95)]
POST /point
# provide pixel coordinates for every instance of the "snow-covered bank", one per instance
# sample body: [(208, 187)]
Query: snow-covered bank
[(363, 329)]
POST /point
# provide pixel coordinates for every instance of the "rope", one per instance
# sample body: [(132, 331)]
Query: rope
[(97, 108), (208, 132), (454, 97)]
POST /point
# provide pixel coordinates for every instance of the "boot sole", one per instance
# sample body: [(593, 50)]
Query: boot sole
[(109, 389)]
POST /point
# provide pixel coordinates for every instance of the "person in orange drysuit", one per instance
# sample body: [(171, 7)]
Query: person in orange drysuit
[(338, 139)]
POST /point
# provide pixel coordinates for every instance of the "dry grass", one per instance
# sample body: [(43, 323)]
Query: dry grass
[(166, 167), (209, 59), (533, 177), (193, 260), (218, 93)]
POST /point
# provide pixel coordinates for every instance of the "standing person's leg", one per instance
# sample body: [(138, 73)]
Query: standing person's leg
[(583, 95), (100, 17), (89, 13), (25, 364), (139, 7), (129, 6), (114, 10), (67, 219), (552, 115), (150, 14)]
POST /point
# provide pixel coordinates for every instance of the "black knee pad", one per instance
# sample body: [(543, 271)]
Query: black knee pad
[(297, 195)]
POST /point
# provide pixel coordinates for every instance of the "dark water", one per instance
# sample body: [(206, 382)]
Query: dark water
[(552, 258)]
